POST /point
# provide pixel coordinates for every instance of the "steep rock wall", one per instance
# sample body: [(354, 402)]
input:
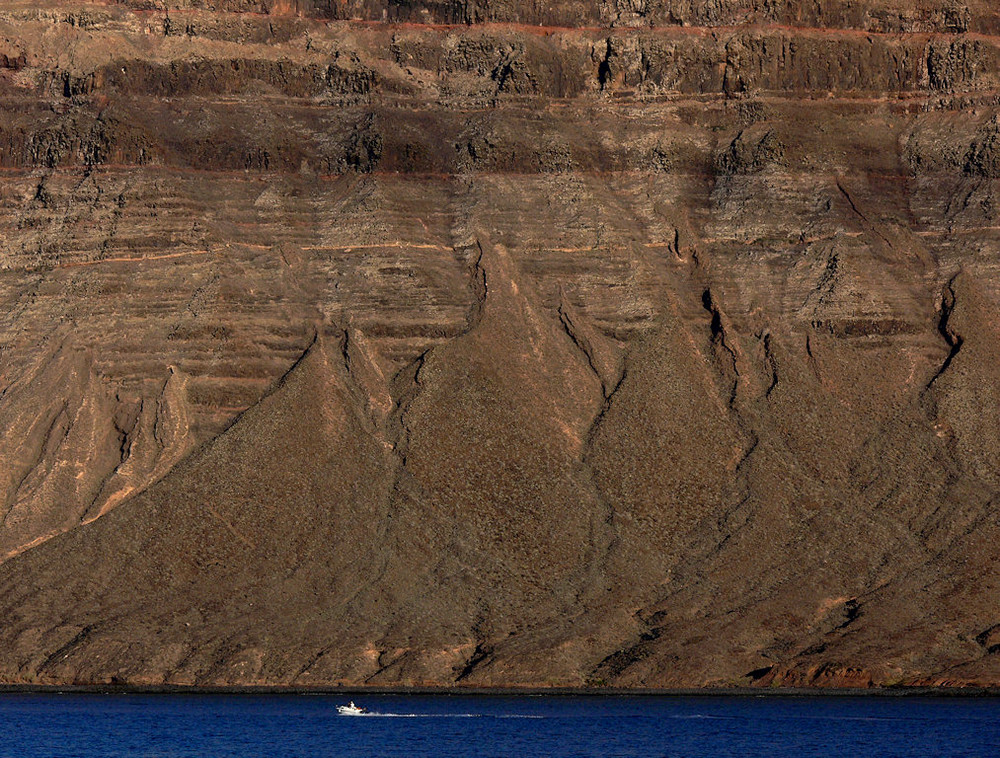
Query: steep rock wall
[(638, 344)]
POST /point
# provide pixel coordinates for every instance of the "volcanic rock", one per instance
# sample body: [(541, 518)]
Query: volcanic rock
[(634, 344)]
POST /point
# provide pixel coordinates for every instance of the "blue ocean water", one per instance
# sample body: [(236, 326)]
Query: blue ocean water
[(272, 726)]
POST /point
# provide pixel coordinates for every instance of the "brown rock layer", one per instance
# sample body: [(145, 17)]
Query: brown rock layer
[(633, 344)]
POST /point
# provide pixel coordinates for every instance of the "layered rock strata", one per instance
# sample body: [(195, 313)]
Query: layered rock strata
[(500, 343)]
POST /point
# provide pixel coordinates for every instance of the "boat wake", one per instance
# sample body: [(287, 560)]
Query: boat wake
[(448, 716)]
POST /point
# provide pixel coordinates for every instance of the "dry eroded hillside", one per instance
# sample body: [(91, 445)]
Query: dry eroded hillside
[(638, 343)]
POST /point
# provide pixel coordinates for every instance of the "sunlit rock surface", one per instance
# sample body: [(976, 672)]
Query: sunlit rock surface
[(639, 344)]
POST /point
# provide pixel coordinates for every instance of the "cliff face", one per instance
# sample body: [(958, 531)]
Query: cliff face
[(624, 343)]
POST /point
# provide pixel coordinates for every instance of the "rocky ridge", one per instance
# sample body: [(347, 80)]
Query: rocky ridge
[(628, 344)]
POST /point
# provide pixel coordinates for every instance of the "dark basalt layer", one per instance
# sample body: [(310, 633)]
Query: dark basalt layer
[(500, 344)]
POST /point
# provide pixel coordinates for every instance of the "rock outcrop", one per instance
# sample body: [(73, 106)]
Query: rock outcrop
[(638, 344)]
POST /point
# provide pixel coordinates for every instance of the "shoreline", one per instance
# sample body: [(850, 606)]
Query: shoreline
[(729, 692)]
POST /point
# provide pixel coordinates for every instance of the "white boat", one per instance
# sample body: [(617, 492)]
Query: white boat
[(351, 710)]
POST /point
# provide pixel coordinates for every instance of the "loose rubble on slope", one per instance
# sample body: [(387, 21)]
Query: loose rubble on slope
[(638, 344)]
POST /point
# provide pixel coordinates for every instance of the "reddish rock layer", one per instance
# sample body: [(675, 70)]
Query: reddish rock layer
[(633, 344)]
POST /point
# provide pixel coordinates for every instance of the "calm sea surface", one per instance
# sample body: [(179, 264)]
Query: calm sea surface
[(76, 725)]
